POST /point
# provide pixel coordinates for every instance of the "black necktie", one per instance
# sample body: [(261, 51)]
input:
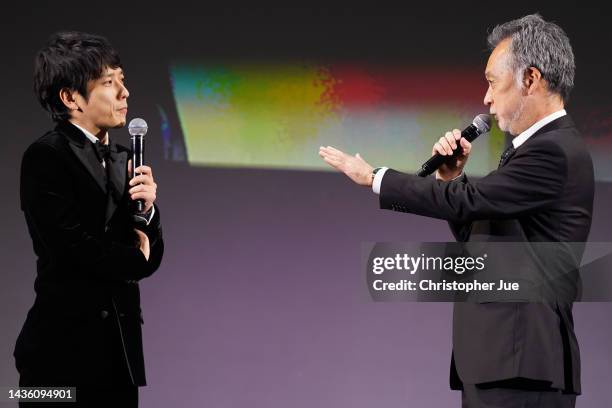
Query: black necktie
[(102, 151), (506, 156)]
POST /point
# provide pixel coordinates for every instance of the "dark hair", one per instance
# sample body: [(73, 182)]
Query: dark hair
[(70, 60)]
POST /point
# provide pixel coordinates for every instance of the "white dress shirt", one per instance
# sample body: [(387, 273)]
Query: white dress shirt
[(526, 134), (516, 142), (93, 138)]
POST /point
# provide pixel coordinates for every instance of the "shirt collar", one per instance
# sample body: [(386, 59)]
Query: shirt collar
[(90, 135), (520, 139)]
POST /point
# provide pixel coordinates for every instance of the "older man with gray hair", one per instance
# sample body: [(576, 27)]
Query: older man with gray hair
[(509, 354)]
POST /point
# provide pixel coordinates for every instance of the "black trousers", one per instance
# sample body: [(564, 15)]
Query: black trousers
[(473, 396)]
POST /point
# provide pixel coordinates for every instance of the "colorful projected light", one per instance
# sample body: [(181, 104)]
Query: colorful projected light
[(277, 116)]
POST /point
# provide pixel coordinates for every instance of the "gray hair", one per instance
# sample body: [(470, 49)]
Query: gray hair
[(539, 44)]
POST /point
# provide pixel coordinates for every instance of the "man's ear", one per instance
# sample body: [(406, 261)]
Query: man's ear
[(532, 79), (69, 99)]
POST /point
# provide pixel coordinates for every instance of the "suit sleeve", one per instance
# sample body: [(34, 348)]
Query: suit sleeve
[(49, 203), (531, 181), (461, 230), (156, 242)]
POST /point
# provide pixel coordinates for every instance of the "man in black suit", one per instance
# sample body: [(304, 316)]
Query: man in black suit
[(84, 329), (509, 354)]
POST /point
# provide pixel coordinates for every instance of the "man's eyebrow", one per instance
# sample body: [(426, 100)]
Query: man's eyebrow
[(110, 74)]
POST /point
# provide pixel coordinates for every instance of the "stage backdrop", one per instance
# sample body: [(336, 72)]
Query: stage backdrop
[(259, 301)]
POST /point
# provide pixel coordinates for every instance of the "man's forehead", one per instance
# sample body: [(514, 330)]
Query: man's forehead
[(489, 70), (497, 55)]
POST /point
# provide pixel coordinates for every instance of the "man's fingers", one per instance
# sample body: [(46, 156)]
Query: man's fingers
[(327, 151), (358, 157), (467, 146), (327, 155), (145, 195), (457, 134), (333, 149), (335, 154), (445, 145), (334, 159), (129, 169), (334, 163), (144, 179), (143, 187), (144, 170), (445, 142), (450, 138), (439, 149)]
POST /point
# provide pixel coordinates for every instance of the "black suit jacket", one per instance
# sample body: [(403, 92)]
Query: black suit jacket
[(85, 325), (544, 193)]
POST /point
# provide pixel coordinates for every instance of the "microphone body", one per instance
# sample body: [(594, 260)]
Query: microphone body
[(137, 161), (481, 124), (137, 128)]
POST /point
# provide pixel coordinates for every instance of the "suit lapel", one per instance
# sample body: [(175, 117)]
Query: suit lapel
[(564, 121), (84, 151), (117, 168)]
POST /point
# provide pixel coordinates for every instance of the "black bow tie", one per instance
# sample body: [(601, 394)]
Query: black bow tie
[(506, 155), (102, 151)]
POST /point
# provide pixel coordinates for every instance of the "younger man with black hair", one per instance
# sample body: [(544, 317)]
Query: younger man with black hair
[(84, 327)]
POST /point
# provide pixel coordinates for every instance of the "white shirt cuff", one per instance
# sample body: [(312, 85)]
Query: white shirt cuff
[(142, 216), (378, 179), (151, 216)]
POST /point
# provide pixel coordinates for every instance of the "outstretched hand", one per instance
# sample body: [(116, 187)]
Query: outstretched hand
[(354, 167)]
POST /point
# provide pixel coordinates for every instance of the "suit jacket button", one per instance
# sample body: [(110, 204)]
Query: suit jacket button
[(104, 314)]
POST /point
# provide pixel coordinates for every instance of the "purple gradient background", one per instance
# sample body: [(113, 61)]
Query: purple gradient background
[(259, 301)]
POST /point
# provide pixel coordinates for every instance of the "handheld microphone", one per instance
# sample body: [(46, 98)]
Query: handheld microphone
[(137, 128), (480, 125)]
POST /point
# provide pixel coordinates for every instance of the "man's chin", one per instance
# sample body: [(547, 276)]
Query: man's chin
[(505, 127), (120, 124)]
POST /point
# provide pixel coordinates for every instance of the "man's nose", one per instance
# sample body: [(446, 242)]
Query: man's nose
[(124, 92), (487, 98)]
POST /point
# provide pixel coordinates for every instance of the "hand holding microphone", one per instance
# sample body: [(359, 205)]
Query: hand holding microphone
[(143, 188), (448, 156), (452, 144)]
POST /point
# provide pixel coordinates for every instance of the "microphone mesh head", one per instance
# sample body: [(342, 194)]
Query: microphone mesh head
[(137, 126), (482, 122)]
